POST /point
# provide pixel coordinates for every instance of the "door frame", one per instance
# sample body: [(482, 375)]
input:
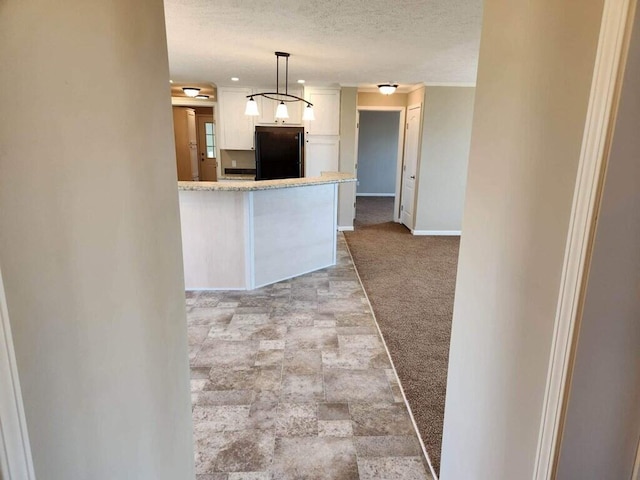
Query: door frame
[(15, 450), (613, 44), (190, 102), (399, 155)]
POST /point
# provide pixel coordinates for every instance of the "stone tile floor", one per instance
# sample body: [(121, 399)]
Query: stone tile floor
[(292, 381)]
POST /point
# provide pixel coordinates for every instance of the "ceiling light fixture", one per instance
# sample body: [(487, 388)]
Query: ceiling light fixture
[(284, 98), (202, 97), (387, 88), (235, 79), (191, 91), (300, 81)]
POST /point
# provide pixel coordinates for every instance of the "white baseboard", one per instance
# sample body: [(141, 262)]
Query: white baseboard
[(375, 194), (437, 233), (345, 229)]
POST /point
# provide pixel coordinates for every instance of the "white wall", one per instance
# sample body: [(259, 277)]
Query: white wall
[(603, 416), (446, 136), (377, 152), (534, 77), (90, 239), (347, 191)]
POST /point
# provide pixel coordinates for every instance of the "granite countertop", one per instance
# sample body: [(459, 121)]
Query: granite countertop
[(245, 186)]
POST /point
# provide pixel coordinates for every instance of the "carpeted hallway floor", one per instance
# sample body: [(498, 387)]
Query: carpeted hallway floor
[(410, 282)]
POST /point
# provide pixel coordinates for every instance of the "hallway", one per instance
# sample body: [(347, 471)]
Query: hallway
[(293, 381)]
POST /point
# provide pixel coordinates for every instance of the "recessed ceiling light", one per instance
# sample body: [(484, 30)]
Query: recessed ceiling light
[(300, 81), (170, 81), (235, 79)]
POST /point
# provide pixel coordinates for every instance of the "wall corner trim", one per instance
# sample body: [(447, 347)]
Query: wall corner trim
[(603, 99), (345, 229)]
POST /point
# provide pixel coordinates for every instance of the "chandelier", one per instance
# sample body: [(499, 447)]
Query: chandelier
[(281, 112)]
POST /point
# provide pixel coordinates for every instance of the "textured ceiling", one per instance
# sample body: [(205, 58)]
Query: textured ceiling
[(346, 42)]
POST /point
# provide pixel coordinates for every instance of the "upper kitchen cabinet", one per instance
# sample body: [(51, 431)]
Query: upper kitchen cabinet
[(294, 108), (326, 108), (267, 108), (235, 129)]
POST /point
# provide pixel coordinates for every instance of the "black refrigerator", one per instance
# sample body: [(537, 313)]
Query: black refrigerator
[(279, 152)]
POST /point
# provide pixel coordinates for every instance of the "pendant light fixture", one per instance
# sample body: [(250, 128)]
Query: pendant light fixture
[(387, 88), (282, 112), (191, 91)]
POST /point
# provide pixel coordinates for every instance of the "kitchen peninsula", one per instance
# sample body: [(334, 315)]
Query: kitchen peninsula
[(246, 234)]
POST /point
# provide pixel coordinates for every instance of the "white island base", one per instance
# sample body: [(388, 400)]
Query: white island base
[(244, 235)]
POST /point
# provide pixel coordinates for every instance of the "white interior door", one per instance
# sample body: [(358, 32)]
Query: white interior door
[(410, 166)]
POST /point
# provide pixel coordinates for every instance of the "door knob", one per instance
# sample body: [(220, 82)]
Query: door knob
[(413, 177)]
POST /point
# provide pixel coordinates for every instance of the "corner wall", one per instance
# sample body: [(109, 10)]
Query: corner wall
[(446, 137), (90, 239), (347, 191), (534, 78)]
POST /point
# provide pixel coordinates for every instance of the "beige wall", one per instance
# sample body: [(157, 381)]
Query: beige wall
[(90, 239), (347, 191), (442, 181), (534, 76), (373, 99), (603, 419)]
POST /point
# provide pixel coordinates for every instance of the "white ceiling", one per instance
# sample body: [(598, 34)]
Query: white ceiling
[(346, 42)]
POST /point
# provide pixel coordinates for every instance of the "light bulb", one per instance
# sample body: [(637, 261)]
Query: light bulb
[(252, 108)]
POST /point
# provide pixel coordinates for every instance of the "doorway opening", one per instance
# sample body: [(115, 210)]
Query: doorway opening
[(380, 143), (195, 142)]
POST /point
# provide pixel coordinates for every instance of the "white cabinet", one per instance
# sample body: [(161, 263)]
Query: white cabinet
[(235, 129), (322, 154), (295, 108), (267, 109), (326, 108)]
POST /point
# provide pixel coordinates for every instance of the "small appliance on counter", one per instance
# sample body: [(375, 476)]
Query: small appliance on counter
[(279, 152)]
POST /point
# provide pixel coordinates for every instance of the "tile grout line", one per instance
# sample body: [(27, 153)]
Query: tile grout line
[(406, 402)]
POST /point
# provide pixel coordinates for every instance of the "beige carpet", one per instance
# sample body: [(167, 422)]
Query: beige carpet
[(410, 282)]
